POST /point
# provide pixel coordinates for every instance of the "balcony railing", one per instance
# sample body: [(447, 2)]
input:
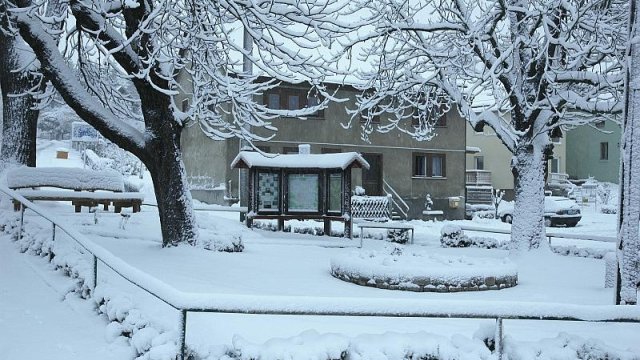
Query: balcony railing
[(478, 177), (558, 177)]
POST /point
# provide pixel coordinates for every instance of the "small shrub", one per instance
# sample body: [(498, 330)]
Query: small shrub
[(399, 236), (609, 209), (484, 214), (453, 236)]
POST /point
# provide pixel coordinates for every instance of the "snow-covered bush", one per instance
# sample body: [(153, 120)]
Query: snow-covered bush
[(225, 243), (148, 342), (310, 345), (573, 250), (453, 236), (120, 160), (400, 236), (604, 193), (609, 209), (359, 191), (484, 214)]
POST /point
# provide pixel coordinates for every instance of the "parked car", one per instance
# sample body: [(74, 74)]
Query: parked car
[(562, 188), (558, 210)]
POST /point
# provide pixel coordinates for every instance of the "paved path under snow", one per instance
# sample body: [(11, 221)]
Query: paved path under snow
[(35, 323)]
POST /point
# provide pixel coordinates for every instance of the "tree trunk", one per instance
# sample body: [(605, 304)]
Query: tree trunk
[(19, 118), (527, 230), (163, 157), (175, 205), (628, 253)]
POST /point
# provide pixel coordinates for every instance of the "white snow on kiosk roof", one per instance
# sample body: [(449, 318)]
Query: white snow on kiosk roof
[(342, 161)]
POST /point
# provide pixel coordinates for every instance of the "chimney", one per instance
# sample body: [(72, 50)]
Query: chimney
[(304, 149)]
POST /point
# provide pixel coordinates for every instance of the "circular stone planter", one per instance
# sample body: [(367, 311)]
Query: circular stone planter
[(425, 272)]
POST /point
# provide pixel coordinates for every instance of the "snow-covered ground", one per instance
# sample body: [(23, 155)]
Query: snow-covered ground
[(276, 263)]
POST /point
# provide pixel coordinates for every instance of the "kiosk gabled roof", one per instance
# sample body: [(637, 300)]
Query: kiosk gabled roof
[(249, 159)]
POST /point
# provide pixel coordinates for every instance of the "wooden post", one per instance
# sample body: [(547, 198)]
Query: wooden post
[(327, 227), (346, 203)]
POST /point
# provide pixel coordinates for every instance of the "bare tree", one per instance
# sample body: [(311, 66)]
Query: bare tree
[(628, 279), (544, 65), (169, 48)]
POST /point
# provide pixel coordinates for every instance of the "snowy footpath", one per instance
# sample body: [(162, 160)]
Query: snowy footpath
[(37, 320)]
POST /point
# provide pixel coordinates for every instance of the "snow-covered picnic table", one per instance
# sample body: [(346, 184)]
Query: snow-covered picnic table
[(386, 225), (83, 187)]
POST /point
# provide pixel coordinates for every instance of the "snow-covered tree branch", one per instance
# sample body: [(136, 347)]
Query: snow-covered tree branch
[(184, 61), (542, 65)]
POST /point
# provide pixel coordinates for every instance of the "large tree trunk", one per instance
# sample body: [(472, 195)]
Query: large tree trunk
[(163, 158), (527, 230), (629, 208), (19, 118)]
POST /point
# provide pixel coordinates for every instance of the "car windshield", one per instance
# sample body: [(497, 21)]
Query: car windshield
[(560, 203)]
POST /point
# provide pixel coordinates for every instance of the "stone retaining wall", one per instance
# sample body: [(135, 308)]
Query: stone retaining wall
[(426, 284)]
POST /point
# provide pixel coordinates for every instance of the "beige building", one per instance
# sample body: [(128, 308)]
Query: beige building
[(491, 165), (400, 165)]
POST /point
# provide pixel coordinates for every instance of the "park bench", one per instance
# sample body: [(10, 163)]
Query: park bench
[(82, 187), (386, 225)]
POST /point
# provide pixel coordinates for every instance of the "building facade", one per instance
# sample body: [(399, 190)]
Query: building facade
[(401, 166), (594, 151), (492, 163)]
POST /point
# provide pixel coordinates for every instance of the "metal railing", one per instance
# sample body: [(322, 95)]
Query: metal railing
[(398, 203), (328, 306), (478, 177), (548, 234)]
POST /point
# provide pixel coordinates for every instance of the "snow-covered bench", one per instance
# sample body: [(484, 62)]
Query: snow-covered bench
[(388, 225), (82, 187)]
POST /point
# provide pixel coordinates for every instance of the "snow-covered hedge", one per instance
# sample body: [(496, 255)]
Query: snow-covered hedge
[(311, 345), (424, 272), (148, 341), (225, 243), (453, 236), (609, 209), (573, 250)]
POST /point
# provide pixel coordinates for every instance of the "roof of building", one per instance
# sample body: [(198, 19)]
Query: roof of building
[(249, 159)]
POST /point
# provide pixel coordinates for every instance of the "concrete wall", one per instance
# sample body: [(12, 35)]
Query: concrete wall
[(583, 152)]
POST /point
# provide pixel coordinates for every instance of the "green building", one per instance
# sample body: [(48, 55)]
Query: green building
[(594, 151)]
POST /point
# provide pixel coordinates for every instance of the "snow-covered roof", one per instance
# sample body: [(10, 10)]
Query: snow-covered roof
[(249, 159)]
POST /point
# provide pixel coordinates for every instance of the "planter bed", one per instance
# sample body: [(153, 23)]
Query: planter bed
[(425, 272)]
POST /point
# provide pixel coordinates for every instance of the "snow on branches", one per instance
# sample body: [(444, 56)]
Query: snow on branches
[(527, 69)]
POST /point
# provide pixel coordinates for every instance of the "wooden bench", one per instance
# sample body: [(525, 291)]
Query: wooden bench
[(82, 187), (386, 225)]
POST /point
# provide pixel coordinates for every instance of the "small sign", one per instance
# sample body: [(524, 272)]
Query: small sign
[(81, 131)]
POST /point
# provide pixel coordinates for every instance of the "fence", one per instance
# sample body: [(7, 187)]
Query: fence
[(371, 207), (337, 306), (549, 234)]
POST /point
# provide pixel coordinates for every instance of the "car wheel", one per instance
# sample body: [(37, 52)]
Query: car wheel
[(572, 224), (508, 219), (547, 222)]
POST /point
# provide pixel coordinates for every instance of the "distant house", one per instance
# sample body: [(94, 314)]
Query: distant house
[(400, 166), (491, 165), (594, 151)]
